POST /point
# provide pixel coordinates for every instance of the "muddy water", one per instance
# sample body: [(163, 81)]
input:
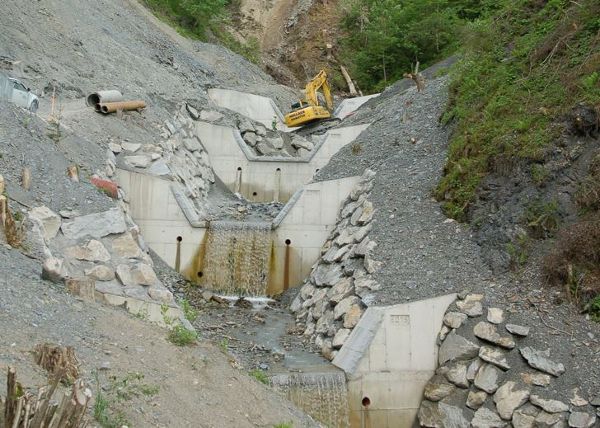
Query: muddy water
[(236, 258), (305, 378)]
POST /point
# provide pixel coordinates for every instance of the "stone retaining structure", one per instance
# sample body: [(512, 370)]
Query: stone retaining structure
[(338, 289), (489, 376)]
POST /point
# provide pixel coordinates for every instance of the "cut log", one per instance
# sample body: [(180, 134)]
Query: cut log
[(58, 360), (73, 173)]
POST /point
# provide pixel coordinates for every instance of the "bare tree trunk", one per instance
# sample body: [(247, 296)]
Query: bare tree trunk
[(349, 82)]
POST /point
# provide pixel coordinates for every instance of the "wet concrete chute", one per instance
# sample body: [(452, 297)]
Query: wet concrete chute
[(234, 258)]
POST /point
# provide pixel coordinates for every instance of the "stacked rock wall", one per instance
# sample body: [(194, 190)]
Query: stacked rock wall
[(338, 289), (489, 376)]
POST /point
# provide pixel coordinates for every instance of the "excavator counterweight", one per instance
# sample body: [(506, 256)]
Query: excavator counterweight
[(308, 110)]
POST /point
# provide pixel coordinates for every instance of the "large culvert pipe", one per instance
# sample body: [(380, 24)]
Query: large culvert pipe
[(107, 108), (111, 96)]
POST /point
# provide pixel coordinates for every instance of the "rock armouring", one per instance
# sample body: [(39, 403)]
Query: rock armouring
[(339, 288), (475, 386), (104, 249)]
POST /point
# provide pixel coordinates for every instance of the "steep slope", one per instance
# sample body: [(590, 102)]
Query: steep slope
[(72, 48)]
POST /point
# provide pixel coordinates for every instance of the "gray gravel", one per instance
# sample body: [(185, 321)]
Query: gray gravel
[(424, 254), (24, 143)]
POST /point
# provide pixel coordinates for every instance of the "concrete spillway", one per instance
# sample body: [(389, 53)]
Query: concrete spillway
[(234, 258), (323, 395)]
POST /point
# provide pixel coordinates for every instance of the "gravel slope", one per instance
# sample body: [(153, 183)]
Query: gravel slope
[(196, 385), (424, 254)]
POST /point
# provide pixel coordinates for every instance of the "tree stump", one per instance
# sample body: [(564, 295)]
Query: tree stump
[(23, 409), (58, 360)]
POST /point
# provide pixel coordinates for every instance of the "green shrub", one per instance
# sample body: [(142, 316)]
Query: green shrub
[(189, 312), (260, 376), (521, 72), (594, 309), (181, 336), (542, 218)]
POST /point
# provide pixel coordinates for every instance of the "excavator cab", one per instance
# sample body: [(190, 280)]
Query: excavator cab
[(309, 109)]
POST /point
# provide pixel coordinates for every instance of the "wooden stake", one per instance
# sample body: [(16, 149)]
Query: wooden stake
[(3, 209), (35, 411), (73, 173), (26, 178)]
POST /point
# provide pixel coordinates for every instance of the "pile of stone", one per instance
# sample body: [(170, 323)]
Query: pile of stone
[(490, 377), (339, 288), (265, 142), (101, 253)]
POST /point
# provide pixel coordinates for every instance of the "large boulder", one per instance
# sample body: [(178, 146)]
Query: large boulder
[(508, 398), (53, 270), (456, 347), (540, 360), (95, 225), (50, 221), (93, 251)]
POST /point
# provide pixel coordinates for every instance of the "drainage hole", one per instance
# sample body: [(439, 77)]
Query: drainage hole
[(239, 168), (254, 193), (179, 239), (200, 274), (288, 242), (366, 401)]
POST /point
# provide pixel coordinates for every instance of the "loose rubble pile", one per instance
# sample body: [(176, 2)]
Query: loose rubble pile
[(338, 290), (490, 378), (266, 142)]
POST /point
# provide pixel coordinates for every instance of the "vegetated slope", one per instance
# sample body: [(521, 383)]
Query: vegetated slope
[(523, 160)]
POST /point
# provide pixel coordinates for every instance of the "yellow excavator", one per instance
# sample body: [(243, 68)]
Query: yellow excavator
[(308, 110)]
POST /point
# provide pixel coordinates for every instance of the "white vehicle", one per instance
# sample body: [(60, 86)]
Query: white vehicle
[(22, 96)]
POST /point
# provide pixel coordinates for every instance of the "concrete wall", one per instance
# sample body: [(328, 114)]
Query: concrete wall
[(350, 105), (306, 225), (389, 358), (256, 107), (306, 221), (264, 179), (160, 218)]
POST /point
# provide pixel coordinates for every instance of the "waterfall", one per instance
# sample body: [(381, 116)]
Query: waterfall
[(324, 395), (237, 257)]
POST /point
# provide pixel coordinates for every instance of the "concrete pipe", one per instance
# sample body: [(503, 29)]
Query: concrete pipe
[(96, 98), (107, 108)]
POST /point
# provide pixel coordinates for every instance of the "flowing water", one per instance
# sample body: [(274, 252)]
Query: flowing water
[(323, 395), (237, 257)]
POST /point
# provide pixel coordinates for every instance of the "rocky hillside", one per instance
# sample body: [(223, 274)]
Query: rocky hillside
[(76, 49)]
